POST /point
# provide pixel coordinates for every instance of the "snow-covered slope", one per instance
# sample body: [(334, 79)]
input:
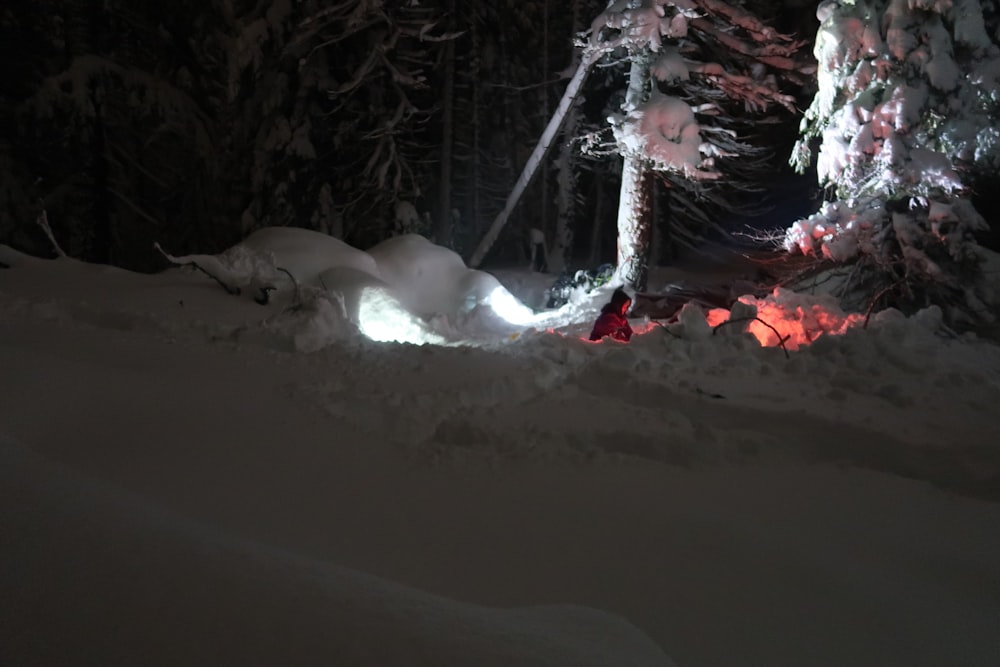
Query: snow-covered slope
[(97, 576), (182, 461)]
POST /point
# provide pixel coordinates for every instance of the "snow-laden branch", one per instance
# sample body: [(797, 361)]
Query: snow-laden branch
[(755, 96), (207, 264), (776, 56), (757, 29), (664, 131)]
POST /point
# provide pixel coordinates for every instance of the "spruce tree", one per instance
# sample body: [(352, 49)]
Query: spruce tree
[(905, 115), (694, 64)]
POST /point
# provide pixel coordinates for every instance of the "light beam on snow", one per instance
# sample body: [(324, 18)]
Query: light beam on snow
[(509, 308), (382, 319)]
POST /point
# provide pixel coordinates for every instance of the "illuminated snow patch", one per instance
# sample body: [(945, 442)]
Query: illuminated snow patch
[(790, 319), (383, 319), (509, 308)]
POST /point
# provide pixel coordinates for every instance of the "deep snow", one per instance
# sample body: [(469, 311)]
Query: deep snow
[(182, 482)]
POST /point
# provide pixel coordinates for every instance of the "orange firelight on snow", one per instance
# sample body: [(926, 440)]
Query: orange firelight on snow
[(797, 325)]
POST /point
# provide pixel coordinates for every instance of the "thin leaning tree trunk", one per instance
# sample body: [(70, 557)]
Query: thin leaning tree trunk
[(537, 155)]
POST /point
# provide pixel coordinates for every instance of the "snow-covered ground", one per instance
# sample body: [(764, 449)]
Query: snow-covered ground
[(188, 477)]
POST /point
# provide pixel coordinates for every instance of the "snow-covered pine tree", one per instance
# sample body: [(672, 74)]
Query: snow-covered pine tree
[(689, 61), (906, 112)]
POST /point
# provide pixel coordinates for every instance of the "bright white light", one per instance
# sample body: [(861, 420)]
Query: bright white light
[(509, 308), (383, 319)]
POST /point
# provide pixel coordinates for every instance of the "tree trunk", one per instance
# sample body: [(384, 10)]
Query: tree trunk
[(102, 239), (443, 231), (634, 223), (476, 167), (566, 183), (668, 245), (562, 240), (537, 155), (543, 218), (595, 229), (634, 211), (656, 228)]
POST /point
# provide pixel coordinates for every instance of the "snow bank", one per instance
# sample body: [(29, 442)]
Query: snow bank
[(430, 279), (406, 289), (304, 253), (504, 474), (433, 282), (551, 363), (277, 259), (11, 257), (122, 582), (352, 302)]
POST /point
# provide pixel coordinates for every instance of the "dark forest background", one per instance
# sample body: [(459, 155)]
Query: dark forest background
[(194, 122)]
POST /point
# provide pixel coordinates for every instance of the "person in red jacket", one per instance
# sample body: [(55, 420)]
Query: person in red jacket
[(612, 321)]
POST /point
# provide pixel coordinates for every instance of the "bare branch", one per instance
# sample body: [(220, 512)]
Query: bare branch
[(189, 260), (781, 339), (43, 221), (135, 207)]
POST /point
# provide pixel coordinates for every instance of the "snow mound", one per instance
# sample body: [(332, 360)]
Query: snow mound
[(306, 254), (145, 586), (406, 289), (430, 279), (433, 282), (10, 257), (376, 309), (278, 258)]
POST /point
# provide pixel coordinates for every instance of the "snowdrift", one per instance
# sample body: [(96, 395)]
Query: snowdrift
[(650, 479), (115, 581), (431, 280), (405, 289)]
